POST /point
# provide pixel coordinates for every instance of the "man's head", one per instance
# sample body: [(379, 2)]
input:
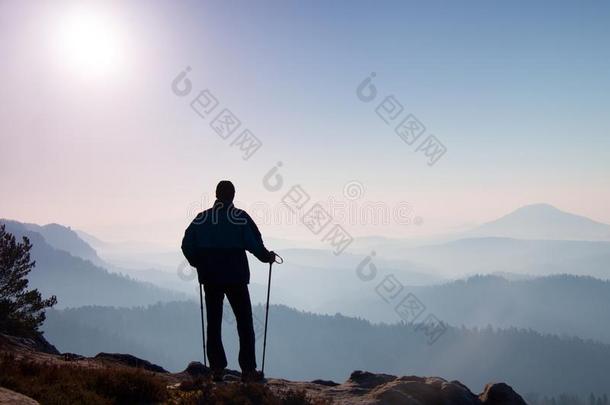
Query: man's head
[(225, 191)]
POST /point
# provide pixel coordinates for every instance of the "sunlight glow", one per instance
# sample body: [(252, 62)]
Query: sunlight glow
[(89, 42)]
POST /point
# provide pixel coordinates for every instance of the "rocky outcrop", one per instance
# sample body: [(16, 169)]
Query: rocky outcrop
[(36, 343), (130, 361), (14, 398), (500, 394), (196, 369), (364, 388)]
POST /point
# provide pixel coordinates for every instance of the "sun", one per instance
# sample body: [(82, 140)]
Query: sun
[(89, 42)]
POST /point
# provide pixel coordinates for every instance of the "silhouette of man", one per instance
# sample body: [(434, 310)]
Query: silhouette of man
[(215, 243)]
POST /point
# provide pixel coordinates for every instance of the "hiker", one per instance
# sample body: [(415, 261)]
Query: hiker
[(215, 243)]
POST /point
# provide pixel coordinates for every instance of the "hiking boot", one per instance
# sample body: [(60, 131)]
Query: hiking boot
[(252, 376), (218, 374)]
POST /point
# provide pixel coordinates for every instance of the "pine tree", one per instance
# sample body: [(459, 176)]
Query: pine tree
[(21, 310)]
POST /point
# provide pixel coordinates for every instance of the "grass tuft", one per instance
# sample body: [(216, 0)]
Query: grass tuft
[(68, 384)]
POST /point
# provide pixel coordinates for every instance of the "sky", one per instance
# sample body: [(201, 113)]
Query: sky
[(94, 136)]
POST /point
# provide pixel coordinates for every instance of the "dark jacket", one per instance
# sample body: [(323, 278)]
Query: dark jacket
[(215, 243)]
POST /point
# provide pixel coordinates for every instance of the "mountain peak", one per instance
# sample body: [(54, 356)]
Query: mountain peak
[(540, 207), (543, 221)]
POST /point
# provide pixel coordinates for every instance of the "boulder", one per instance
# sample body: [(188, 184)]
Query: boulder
[(500, 394), (131, 361), (14, 398), (35, 343), (196, 369)]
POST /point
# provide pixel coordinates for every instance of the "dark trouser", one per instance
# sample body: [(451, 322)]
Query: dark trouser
[(239, 298)]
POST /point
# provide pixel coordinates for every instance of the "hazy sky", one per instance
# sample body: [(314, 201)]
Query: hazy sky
[(92, 135)]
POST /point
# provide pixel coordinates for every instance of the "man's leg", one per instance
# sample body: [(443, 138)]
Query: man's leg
[(239, 298), (214, 296)]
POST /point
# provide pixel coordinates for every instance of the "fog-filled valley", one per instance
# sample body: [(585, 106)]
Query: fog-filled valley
[(532, 311)]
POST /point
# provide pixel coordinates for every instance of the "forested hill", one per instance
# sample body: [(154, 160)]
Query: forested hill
[(561, 304)]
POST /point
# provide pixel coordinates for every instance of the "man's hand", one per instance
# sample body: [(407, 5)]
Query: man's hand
[(272, 256)]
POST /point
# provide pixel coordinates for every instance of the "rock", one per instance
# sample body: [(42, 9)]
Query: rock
[(196, 369), (364, 379), (43, 345), (14, 398), (326, 383), (232, 373), (36, 343), (500, 394), (231, 378), (72, 357), (131, 361), (364, 388), (418, 390)]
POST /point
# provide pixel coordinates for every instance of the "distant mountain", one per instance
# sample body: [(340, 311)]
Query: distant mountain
[(62, 238), (543, 221), (304, 346), (562, 305), (531, 222), (316, 280), (303, 267), (92, 240), (134, 255), (531, 257), (76, 281)]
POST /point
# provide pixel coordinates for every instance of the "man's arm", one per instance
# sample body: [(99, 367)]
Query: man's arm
[(189, 245), (254, 241)]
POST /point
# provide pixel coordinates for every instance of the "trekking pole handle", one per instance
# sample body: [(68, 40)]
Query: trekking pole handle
[(276, 257)]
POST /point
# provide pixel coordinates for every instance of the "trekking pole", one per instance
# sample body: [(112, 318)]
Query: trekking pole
[(267, 308), (202, 324)]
